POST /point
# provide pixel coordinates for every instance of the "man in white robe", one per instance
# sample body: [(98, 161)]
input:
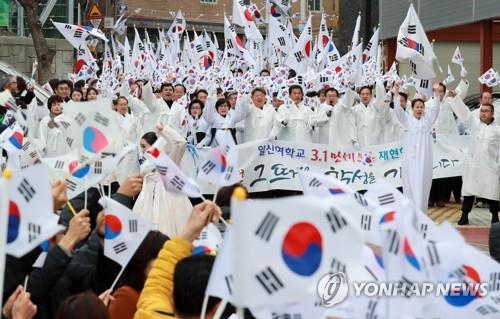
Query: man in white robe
[(163, 109), (294, 118), (259, 118), (481, 176)]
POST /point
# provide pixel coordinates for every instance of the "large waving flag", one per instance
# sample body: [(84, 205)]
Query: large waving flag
[(301, 55), (234, 44), (286, 245), (243, 16), (173, 177), (414, 45), (178, 25), (11, 139), (221, 163), (31, 211), (124, 231)]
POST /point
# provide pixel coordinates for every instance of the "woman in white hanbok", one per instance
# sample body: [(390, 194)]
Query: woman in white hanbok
[(416, 166), (51, 136), (168, 212)]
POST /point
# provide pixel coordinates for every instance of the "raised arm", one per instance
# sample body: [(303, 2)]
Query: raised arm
[(462, 111), (432, 113), (400, 113), (242, 108), (149, 97), (209, 111)]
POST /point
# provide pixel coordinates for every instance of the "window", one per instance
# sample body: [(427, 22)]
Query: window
[(314, 5), (209, 1)]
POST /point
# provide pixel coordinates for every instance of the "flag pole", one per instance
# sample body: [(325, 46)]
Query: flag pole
[(220, 217), (220, 309), (116, 279), (204, 307)]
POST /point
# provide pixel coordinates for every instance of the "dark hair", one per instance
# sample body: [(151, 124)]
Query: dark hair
[(491, 106), (264, 71), (79, 84), (194, 101), (164, 85), (134, 275), (67, 82), (200, 91), (76, 90), (312, 94), (218, 91), (230, 93), (91, 89), (275, 95), (181, 85), (21, 84), (404, 95), (292, 73), (54, 99), (53, 84), (294, 87), (365, 87), (259, 89), (82, 306), (150, 137), (223, 199), (443, 86), (321, 91), (220, 102), (415, 102), (190, 282), (93, 82), (332, 89)]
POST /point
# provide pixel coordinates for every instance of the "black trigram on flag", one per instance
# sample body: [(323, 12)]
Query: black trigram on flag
[(393, 242), (405, 287), (162, 169), (208, 167), (101, 119), (315, 183), (34, 231), (366, 222), (423, 230), (335, 219), (26, 190), (370, 311), (231, 27), (386, 199), (119, 248), (299, 56), (229, 283), (229, 44), (81, 51), (284, 3), (78, 33), (494, 282), (486, 310), (70, 141), (266, 227), (334, 57), (433, 253), (337, 266), (413, 67), (281, 41), (26, 146), (309, 30), (64, 124), (424, 84), (360, 198), (67, 26), (59, 164), (98, 167), (368, 46), (141, 47), (177, 182), (269, 281), (199, 48), (132, 225), (323, 79), (70, 184), (282, 28), (279, 315), (412, 29), (323, 27), (80, 119), (229, 172), (496, 300)]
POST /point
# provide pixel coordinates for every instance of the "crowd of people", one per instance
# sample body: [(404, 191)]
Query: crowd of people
[(163, 280)]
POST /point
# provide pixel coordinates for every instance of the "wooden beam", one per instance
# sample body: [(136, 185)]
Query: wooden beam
[(486, 49)]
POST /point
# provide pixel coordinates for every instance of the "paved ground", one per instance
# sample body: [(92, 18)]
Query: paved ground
[(476, 233)]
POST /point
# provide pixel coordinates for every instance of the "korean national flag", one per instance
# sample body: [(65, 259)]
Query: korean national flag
[(11, 139), (286, 245), (124, 231), (31, 218)]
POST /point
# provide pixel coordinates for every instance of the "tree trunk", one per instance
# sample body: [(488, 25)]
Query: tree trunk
[(44, 54)]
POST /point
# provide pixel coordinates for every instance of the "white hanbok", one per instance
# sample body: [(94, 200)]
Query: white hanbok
[(416, 164), (336, 124), (294, 123), (259, 123), (168, 212), (481, 176), (371, 119), (131, 131), (216, 121), (53, 140), (161, 112)]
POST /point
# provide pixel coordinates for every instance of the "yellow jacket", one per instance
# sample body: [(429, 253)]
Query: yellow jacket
[(156, 300)]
